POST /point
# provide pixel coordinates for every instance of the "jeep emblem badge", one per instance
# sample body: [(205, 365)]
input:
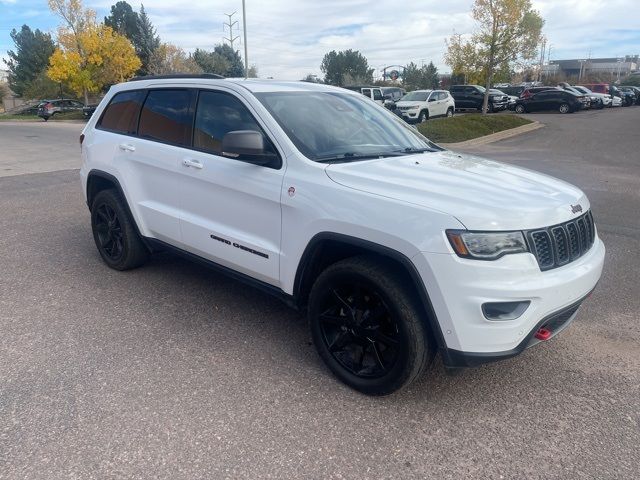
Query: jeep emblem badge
[(576, 208)]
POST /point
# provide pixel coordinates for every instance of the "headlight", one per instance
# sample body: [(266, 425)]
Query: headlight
[(486, 245)]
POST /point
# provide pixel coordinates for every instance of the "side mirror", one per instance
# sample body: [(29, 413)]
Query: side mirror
[(247, 146), (432, 99)]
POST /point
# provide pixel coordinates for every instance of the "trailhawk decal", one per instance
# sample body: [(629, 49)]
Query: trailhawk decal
[(241, 247)]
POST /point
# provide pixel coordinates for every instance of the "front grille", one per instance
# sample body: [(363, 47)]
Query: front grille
[(560, 244)]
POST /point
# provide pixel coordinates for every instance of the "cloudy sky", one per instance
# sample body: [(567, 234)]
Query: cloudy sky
[(288, 38)]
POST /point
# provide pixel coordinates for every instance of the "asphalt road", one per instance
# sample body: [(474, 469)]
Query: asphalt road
[(173, 371)]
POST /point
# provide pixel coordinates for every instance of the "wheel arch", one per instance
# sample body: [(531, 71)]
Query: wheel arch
[(99, 180), (326, 248)]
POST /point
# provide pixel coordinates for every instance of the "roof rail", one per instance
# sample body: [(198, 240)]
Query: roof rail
[(177, 75)]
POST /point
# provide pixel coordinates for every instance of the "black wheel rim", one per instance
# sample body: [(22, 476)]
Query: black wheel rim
[(358, 330), (109, 232)]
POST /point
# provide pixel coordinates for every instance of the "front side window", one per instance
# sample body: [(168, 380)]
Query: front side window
[(332, 126), (121, 115), (218, 114), (366, 92), (166, 117)]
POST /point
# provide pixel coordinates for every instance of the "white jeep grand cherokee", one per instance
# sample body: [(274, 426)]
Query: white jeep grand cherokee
[(395, 248)]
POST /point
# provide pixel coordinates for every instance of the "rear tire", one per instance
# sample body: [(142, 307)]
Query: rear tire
[(114, 232), (520, 109), (367, 327)]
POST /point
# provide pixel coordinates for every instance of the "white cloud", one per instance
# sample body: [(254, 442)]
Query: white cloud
[(288, 38)]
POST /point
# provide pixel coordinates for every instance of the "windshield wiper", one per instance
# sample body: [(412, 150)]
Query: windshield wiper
[(352, 157), (418, 150)]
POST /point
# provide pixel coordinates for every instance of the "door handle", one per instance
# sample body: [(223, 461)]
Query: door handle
[(127, 147), (188, 162)]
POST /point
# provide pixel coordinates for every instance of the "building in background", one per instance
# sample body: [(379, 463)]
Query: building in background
[(610, 69)]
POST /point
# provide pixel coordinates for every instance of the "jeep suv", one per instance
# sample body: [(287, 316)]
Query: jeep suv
[(395, 248), (472, 97), (420, 105)]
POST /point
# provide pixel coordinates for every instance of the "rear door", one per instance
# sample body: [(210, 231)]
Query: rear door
[(230, 209), (153, 158), (366, 92)]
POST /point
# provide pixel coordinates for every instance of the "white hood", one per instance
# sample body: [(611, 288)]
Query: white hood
[(480, 193), (409, 104)]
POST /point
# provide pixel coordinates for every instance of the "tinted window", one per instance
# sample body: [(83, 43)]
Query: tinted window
[(377, 95), (166, 116), (218, 114), (455, 89), (121, 115), (366, 92), (546, 95)]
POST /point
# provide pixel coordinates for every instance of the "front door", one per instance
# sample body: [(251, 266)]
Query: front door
[(231, 209)]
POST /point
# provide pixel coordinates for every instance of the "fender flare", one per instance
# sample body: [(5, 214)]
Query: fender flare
[(402, 259)]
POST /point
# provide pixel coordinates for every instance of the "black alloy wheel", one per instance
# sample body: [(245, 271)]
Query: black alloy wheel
[(115, 233), (358, 330), (109, 232), (367, 326)]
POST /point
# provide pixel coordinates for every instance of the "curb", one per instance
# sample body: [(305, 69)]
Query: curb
[(494, 137)]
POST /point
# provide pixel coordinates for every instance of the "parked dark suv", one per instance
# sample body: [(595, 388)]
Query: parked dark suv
[(472, 96), (556, 99), (48, 108)]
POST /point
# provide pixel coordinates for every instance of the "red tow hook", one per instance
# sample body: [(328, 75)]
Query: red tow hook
[(543, 334)]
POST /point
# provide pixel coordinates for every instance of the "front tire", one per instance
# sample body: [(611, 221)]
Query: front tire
[(520, 109), (367, 327), (450, 112), (564, 108), (423, 117), (114, 232)]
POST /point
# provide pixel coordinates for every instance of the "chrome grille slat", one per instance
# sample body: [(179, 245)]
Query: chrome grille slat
[(558, 245)]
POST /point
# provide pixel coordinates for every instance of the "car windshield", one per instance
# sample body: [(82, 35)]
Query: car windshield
[(333, 126), (481, 88), (496, 91), (583, 90), (416, 97)]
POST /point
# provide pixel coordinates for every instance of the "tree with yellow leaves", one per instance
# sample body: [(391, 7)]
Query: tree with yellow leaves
[(89, 55)]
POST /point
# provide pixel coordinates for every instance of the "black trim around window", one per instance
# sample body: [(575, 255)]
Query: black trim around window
[(193, 111)]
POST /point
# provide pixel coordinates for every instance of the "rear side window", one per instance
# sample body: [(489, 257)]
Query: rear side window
[(167, 117), (121, 115)]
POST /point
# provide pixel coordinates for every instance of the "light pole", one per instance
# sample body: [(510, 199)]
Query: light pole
[(246, 57)]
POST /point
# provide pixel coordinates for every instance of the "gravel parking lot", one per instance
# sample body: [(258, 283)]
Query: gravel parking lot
[(173, 371)]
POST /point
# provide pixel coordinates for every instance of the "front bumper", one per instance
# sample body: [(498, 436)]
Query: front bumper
[(459, 287)]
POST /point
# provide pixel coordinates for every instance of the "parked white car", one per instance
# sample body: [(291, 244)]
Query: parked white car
[(420, 105), (395, 248), (604, 97)]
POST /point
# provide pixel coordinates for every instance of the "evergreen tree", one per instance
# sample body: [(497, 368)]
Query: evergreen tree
[(123, 20), (30, 58), (146, 41), (236, 66)]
